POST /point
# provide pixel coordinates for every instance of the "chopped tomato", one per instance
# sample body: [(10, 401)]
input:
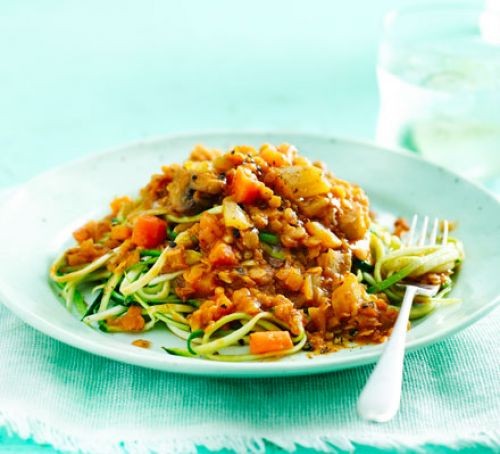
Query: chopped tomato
[(222, 255), (149, 231), (132, 320), (245, 188), (270, 341)]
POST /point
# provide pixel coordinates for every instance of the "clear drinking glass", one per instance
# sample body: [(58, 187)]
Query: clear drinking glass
[(439, 83)]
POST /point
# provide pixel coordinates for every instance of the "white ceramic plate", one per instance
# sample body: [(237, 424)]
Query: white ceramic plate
[(37, 221)]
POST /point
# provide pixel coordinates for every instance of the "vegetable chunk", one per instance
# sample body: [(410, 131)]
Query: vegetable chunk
[(298, 181), (245, 187), (270, 341), (149, 231)]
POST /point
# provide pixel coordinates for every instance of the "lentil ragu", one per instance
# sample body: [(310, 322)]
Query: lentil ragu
[(259, 247)]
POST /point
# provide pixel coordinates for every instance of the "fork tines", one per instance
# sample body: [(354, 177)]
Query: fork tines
[(424, 238)]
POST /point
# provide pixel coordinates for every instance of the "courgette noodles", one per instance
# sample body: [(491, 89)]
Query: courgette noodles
[(247, 255)]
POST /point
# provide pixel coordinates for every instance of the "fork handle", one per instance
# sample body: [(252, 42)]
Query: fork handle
[(379, 400)]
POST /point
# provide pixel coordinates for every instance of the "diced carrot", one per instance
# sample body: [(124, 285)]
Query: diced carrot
[(120, 232), (222, 255), (132, 320), (270, 341), (245, 188), (149, 231)]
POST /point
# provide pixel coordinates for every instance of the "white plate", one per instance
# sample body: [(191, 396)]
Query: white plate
[(37, 221)]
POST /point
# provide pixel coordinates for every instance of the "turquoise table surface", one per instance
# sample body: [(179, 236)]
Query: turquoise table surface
[(82, 76), (77, 77)]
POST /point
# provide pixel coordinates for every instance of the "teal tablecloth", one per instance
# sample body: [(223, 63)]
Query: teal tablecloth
[(77, 77), (73, 398)]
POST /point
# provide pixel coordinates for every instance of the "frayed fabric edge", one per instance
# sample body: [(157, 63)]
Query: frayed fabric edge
[(43, 433)]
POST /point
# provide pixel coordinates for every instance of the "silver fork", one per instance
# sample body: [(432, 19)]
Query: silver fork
[(379, 401)]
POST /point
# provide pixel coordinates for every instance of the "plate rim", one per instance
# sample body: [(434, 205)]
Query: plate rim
[(201, 367)]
